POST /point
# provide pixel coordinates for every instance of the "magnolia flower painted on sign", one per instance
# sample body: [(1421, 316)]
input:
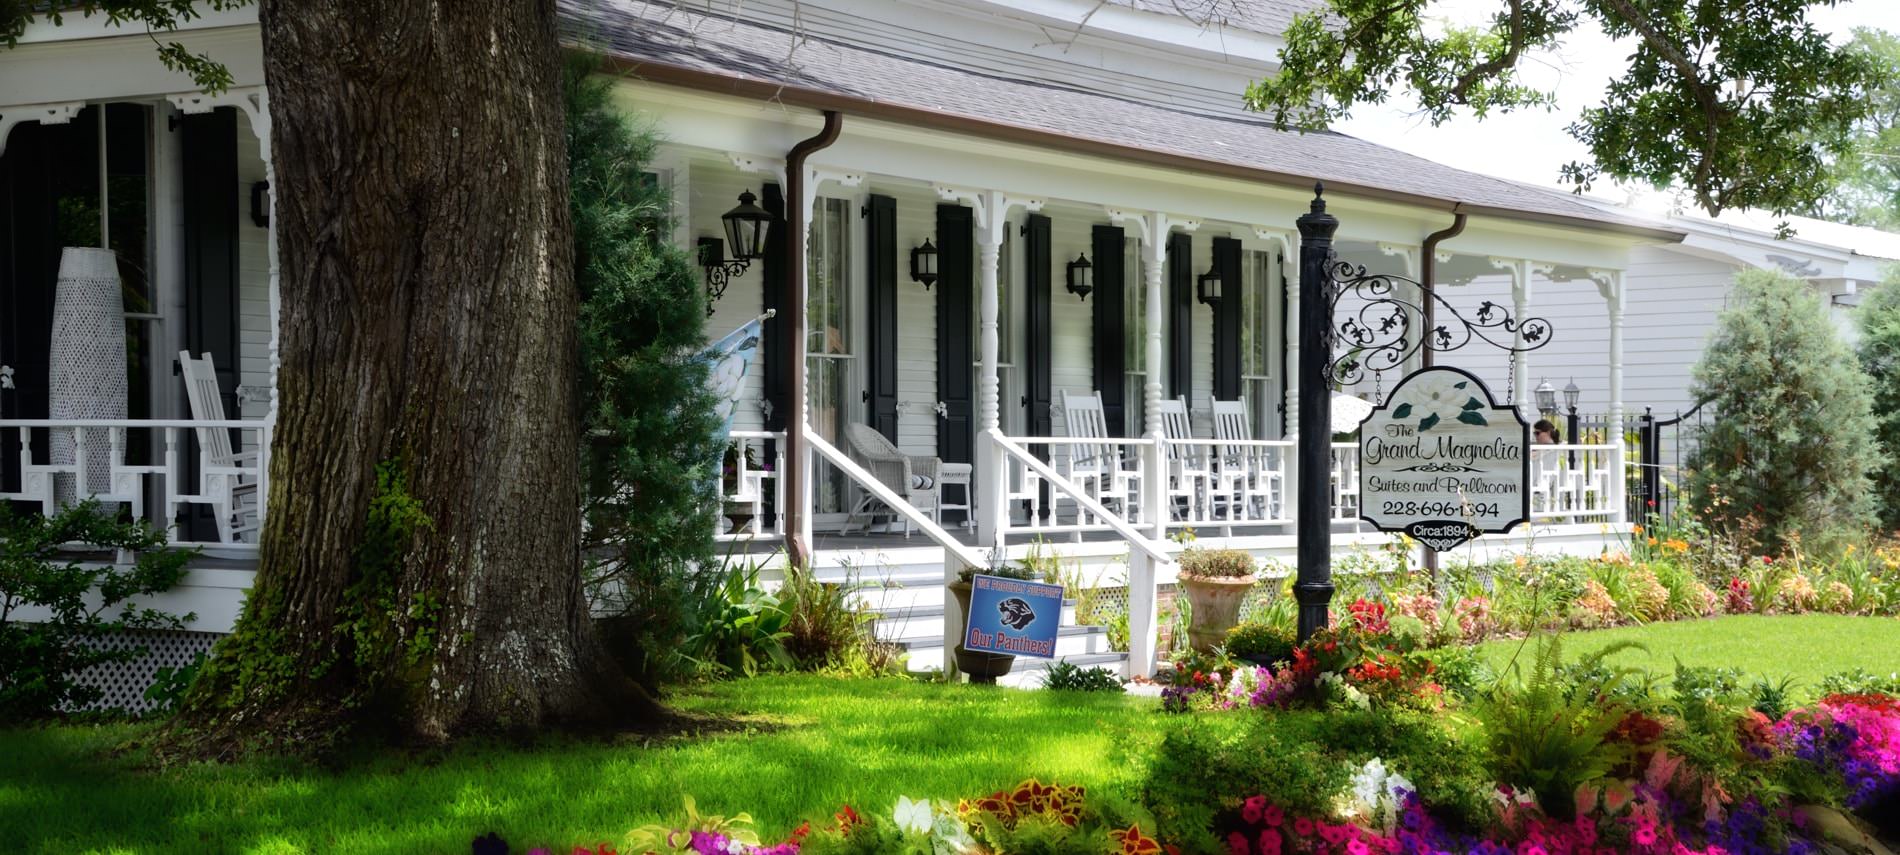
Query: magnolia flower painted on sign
[(1438, 398)]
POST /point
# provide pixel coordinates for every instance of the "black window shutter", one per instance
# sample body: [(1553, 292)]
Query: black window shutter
[(1111, 348), (1227, 320), (208, 196), (1038, 265), (881, 235), (777, 289), (956, 374), (1181, 316)]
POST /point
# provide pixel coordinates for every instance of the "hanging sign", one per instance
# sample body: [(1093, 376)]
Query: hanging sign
[(1013, 616), (1443, 462)]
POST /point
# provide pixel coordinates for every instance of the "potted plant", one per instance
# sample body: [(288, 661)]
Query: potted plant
[(1260, 643), (737, 513), (984, 667), (1215, 582)]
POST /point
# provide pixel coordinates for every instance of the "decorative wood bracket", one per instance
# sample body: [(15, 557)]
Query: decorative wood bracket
[(46, 114)]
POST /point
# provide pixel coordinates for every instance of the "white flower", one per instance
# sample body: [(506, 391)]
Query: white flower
[(949, 836), (914, 817), (6, 376)]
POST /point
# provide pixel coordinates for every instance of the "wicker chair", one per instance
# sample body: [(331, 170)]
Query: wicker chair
[(919, 479)]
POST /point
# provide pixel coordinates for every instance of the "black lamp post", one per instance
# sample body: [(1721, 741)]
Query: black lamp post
[(746, 227), (1313, 586), (1210, 287), (1572, 423), (1081, 277), (923, 264)]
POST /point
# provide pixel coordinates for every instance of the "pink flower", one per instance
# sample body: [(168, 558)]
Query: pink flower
[(1357, 847), (1645, 834), (1334, 834), (1273, 815), (1237, 843), (1303, 826), (1270, 842), (1250, 809)]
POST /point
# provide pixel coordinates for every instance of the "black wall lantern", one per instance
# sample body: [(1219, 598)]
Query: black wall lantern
[(923, 264), (260, 204), (1210, 287), (1081, 277), (746, 227)]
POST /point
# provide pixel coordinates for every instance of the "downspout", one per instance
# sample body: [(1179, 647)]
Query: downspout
[(796, 212), (1427, 290)]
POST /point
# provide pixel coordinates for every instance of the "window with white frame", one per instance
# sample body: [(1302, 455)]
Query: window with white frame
[(1134, 337), (1260, 324), (828, 340)]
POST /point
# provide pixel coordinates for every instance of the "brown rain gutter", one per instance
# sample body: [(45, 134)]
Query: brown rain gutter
[(1428, 300), (816, 99), (798, 551), (1428, 277)]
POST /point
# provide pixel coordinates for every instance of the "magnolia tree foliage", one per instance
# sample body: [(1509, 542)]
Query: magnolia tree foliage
[(649, 451), (1788, 452), (1867, 178), (1741, 101), (1879, 321)]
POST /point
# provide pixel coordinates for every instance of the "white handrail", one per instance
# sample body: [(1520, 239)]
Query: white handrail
[(241, 424), (1048, 473), (970, 557)]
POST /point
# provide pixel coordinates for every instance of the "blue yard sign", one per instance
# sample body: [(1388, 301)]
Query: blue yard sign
[(1014, 617)]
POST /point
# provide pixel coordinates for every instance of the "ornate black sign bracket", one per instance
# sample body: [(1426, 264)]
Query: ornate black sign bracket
[(1382, 333)]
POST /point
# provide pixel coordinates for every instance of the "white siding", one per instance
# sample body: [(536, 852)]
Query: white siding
[(253, 282), (712, 192)]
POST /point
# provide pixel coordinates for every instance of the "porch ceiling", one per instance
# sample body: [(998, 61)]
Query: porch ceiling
[(669, 44)]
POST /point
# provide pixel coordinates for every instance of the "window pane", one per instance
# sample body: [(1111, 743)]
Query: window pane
[(828, 311)]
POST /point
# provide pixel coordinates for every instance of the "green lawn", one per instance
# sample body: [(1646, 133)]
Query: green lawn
[(816, 743), (1805, 647), (811, 744)]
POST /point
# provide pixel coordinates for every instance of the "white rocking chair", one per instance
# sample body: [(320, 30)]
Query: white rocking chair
[(918, 478), (227, 479), (1188, 472), (1243, 477), (1096, 467)]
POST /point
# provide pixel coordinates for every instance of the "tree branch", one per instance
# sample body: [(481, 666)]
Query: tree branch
[(1705, 95), (1497, 64)]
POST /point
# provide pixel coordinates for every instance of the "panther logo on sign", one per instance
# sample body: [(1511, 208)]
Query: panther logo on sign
[(1016, 613)]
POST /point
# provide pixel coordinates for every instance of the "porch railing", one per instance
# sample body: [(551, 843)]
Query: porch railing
[(746, 488), (1576, 483), (232, 486), (1108, 472)]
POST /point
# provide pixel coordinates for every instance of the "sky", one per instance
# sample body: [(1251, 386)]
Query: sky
[(1531, 145)]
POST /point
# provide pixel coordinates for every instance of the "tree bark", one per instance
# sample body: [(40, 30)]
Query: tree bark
[(428, 326)]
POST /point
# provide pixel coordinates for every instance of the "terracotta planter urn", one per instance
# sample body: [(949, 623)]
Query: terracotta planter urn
[(1214, 607), (981, 666)]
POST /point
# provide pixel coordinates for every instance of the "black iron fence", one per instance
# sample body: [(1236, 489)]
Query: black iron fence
[(1660, 490)]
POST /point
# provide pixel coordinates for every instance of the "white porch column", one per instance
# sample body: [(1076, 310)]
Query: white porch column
[(1610, 285), (1143, 575), (990, 210), (1520, 271), (1409, 256)]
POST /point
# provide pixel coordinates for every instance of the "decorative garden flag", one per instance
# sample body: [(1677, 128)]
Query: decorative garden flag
[(730, 358), (1442, 462)]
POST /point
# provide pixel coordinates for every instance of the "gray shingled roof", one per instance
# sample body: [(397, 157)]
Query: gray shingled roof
[(1259, 16), (662, 40)]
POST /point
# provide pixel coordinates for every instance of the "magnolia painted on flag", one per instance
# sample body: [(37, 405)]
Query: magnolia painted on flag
[(730, 358)]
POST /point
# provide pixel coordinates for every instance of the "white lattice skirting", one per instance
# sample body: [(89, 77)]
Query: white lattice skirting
[(125, 683)]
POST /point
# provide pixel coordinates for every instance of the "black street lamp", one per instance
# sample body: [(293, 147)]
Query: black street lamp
[(746, 228), (923, 264), (1210, 287), (1571, 394), (1081, 276)]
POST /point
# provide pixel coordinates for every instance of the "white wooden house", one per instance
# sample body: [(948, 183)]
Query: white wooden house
[(1015, 137)]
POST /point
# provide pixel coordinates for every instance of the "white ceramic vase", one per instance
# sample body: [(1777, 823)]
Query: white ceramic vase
[(86, 378)]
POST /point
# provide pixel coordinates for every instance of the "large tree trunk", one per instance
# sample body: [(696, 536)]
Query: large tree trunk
[(429, 332)]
